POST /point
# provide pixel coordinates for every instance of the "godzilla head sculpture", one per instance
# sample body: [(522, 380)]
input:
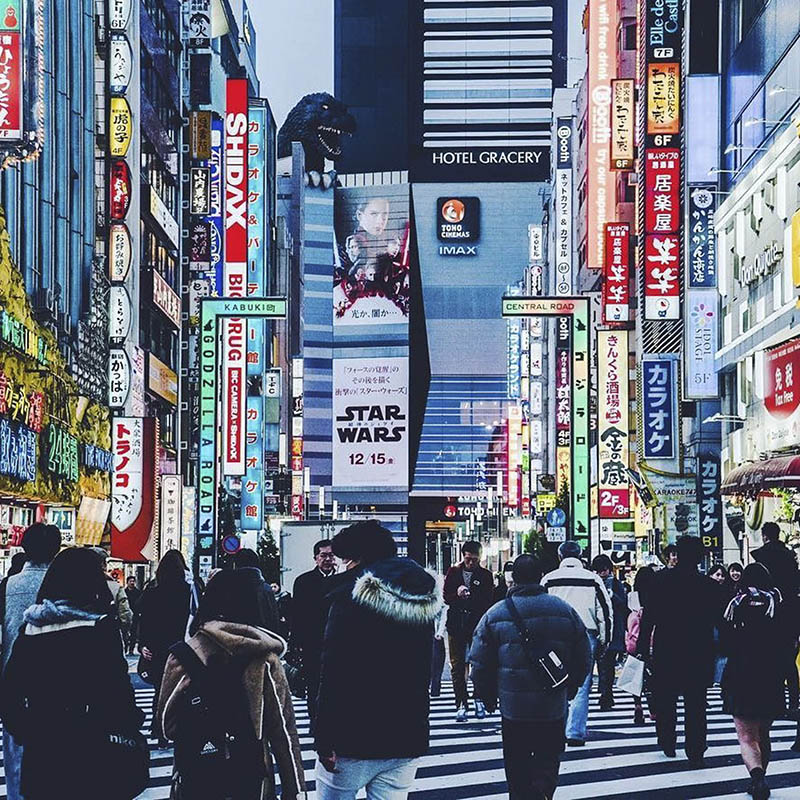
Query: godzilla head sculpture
[(318, 122)]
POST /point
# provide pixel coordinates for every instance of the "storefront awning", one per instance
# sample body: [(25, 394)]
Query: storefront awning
[(776, 473)]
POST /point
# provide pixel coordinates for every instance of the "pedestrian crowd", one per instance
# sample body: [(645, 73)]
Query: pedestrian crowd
[(363, 638)]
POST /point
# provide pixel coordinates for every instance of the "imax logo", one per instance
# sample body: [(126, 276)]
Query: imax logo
[(460, 250)]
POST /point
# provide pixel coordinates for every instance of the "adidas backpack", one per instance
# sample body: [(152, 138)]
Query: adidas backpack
[(217, 753)]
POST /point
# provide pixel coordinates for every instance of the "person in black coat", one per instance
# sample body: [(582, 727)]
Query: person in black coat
[(134, 594), (781, 563), (247, 559), (468, 592), (752, 684), (607, 657), (66, 686), (372, 709), (163, 617), (310, 615), (680, 616)]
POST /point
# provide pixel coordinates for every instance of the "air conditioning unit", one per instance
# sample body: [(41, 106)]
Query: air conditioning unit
[(45, 305)]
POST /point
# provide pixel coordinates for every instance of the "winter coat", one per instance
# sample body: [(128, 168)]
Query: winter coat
[(65, 687), (501, 669), (266, 598), (586, 593), (619, 606), (267, 692), (163, 616), (464, 613), (310, 609), (782, 565), (21, 592), (376, 662), (121, 604), (683, 608)]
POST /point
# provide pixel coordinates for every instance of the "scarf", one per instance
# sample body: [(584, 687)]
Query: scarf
[(762, 601), (50, 612)]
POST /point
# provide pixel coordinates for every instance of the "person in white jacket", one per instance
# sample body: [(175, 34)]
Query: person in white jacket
[(437, 663), (585, 591)]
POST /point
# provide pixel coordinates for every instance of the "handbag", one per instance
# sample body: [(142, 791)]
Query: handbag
[(293, 667), (549, 667), (144, 669), (631, 679)]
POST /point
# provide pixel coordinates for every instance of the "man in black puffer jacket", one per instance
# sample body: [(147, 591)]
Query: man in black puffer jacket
[(372, 708), (534, 714)]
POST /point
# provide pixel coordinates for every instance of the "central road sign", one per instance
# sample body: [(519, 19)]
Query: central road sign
[(212, 310)]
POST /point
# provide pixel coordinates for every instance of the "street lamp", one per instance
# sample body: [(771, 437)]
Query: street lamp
[(732, 148), (759, 121), (715, 171), (779, 89), (724, 418)]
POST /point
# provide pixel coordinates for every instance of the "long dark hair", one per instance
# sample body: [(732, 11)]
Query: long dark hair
[(171, 569), (643, 583), (233, 596), (76, 577)]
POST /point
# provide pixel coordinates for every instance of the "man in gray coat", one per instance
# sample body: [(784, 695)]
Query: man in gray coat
[(534, 713), (41, 544)]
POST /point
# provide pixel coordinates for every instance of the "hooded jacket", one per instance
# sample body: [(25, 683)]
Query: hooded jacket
[(586, 593), (267, 693), (376, 662), (501, 669), (65, 685)]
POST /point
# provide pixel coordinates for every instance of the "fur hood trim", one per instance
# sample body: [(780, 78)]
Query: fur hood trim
[(409, 595)]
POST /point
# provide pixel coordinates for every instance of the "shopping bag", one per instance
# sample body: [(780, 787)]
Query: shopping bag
[(631, 679)]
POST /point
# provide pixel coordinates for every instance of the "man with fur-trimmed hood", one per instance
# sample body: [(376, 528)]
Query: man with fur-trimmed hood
[(372, 713)]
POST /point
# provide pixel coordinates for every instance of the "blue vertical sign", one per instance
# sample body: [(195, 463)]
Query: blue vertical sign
[(253, 480), (215, 204), (660, 409), (709, 500)]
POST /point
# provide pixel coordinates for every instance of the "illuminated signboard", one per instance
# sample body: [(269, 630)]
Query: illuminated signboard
[(613, 446), (458, 219), (119, 186), (617, 273), (257, 235), (659, 409), (120, 64), (17, 451), (663, 98), (120, 252), (622, 124), (11, 78), (199, 191), (562, 203), (165, 297), (252, 513), (61, 452)]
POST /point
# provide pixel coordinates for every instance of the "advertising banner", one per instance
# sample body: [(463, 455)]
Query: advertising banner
[(458, 219), (662, 277), (514, 327), (11, 80), (171, 513), (215, 243), (663, 98), (709, 482), (701, 338), (622, 124), (514, 457), (659, 409), (701, 240), (370, 408), (781, 397), (662, 169), (617, 273), (133, 500), (613, 445), (120, 126), (562, 203), (234, 331), (253, 480), (371, 256), (257, 238), (602, 46), (563, 386)]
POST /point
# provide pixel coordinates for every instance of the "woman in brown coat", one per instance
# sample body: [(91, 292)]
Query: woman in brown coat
[(228, 627)]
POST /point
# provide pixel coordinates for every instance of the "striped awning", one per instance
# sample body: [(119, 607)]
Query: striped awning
[(91, 520)]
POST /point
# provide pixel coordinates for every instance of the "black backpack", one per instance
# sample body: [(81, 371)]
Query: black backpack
[(217, 752)]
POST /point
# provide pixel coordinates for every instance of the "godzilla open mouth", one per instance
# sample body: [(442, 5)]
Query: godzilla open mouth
[(329, 139)]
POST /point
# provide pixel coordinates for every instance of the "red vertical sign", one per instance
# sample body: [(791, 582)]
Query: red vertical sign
[(10, 85), (616, 272)]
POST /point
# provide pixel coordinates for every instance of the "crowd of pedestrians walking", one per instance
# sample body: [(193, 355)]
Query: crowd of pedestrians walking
[(364, 637)]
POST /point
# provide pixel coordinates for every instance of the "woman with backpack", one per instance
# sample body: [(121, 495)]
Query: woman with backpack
[(67, 697), (636, 602), (225, 702), (163, 610), (752, 684)]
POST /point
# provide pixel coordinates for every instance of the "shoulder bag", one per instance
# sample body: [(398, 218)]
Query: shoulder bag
[(549, 667)]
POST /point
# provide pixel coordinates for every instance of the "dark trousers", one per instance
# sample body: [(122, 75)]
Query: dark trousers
[(606, 665), (437, 667), (665, 701), (532, 754), (311, 671), (459, 646)]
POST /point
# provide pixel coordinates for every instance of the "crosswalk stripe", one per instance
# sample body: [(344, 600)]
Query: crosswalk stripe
[(619, 760)]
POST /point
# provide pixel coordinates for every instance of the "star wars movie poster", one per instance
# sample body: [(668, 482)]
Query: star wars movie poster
[(371, 256)]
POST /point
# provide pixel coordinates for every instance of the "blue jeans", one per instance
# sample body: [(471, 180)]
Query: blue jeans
[(12, 761), (385, 779), (579, 706)]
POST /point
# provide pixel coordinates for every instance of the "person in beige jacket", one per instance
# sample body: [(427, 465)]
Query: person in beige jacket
[(227, 624)]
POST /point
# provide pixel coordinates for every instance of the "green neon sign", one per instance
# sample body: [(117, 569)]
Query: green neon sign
[(211, 311), (577, 308)]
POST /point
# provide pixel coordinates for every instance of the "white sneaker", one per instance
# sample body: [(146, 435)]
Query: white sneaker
[(480, 709), (461, 714)]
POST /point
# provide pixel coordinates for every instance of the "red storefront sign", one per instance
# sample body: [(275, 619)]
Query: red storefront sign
[(10, 85), (782, 368), (616, 272), (119, 187), (662, 277), (662, 190)]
